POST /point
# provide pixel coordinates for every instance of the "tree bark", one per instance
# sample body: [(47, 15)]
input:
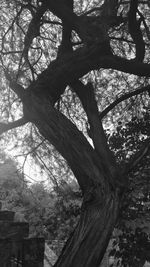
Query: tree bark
[(94, 166), (87, 244)]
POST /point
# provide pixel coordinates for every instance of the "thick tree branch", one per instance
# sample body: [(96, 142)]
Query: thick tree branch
[(4, 127), (83, 25), (124, 97), (16, 88), (135, 31), (63, 11), (125, 65), (110, 9), (71, 67), (33, 29), (67, 139), (94, 167), (87, 97), (66, 45), (145, 24)]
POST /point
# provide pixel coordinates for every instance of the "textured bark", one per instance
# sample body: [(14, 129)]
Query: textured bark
[(67, 139), (68, 68), (93, 166), (87, 244), (100, 208)]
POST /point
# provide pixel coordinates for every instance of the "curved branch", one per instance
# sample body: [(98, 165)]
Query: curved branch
[(124, 97), (66, 44), (125, 65), (63, 11), (83, 24), (71, 66), (67, 139), (33, 29), (145, 24), (16, 88), (96, 131), (135, 31), (4, 127)]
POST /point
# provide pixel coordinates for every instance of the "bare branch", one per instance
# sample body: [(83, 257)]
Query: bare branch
[(10, 27), (85, 26), (62, 11), (135, 31), (145, 24), (16, 88), (125, 65), (124, 97), (87, 98), (48, 21), (11, 52), (33, 31), (66, 45), (60, 131), (4, 127), (69, 68)]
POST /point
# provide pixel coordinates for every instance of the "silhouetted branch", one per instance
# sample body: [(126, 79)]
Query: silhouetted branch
[(4, 127), (122, 98), (16, 88), (135, 31), (96, 131)]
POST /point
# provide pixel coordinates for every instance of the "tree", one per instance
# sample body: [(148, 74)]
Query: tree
[(12, 186), (135, 223), (131, 238), (33, 203), (58, 56)]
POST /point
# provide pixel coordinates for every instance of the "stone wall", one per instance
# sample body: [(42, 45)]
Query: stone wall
[(16, 248)]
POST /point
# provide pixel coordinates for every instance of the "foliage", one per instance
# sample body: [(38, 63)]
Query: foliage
[(50, 214), (71, 73), (132, 243)]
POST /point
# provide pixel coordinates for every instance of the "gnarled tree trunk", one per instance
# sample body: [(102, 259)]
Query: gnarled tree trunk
[(93, 165), (87, 245)]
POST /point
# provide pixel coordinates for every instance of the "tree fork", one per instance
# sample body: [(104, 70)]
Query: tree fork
[(100, 208)]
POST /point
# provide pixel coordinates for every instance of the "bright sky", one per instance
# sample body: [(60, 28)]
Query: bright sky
[(31, 171)]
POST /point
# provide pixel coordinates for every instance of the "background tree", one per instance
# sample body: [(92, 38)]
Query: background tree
[(65, 65), (50, 213), (131, 244)]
